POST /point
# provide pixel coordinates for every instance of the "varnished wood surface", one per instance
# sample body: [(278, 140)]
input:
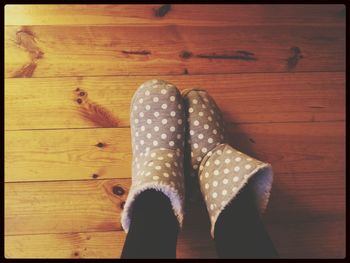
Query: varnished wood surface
[(171, 50), (276, 71), (82, 154), (257, 98), (90, 206), (177, 14)]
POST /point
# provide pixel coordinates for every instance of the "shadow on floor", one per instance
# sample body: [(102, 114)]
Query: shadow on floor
[(292, 224)]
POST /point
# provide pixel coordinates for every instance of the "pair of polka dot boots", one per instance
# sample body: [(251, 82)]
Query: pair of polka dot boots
[(170, 129)]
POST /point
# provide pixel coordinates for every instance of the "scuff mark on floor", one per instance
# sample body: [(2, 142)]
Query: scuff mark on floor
[(238, 55), (162, 11), (142, 52), (316, 107), (294, 59), (251, 140)]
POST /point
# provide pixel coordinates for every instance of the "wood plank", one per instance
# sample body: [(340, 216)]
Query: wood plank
[(45, 103), (308, 208), (69, 245), (194, 241), (318, 239), (59, 199), (178, 14), (303, 197), (51, 51), (68, 154), (294, 147), (304, 241), (46, 155), (63, 207), (90, 205)]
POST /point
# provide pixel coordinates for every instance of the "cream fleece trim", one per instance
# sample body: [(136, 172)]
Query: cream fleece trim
[(262, 186), (176, 200)]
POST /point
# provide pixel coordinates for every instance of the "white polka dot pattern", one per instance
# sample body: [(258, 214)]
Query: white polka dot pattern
[(220, 179), (157, 129), (205, 125), (161, 165), (161, 127)]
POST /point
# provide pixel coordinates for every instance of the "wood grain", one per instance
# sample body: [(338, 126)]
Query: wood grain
[(63, 206), (68, 245), (90, 205), (296, 202), (305, 240), (194, 241), (174, 49), (324, 239), (45, 103), (68, 154), (199, 15), (276, 71), (75, 154)]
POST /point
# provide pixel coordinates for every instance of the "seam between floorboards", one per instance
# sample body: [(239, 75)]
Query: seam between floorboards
[(128, 127), (73, 232), (334, 217), (129, 178), (181, 74)]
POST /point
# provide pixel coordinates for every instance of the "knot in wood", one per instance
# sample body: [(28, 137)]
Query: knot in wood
[(117, 190)]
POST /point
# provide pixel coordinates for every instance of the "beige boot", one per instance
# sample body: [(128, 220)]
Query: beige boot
[(222, 171), (157, 132)]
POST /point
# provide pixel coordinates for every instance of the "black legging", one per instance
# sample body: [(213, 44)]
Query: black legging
[(153, 228), (239, 231)]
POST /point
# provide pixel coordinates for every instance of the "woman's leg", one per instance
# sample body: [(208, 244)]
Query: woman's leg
[(154, 228), (239, 230)]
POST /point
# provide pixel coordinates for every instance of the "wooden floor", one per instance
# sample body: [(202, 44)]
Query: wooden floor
[(276, 71)]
